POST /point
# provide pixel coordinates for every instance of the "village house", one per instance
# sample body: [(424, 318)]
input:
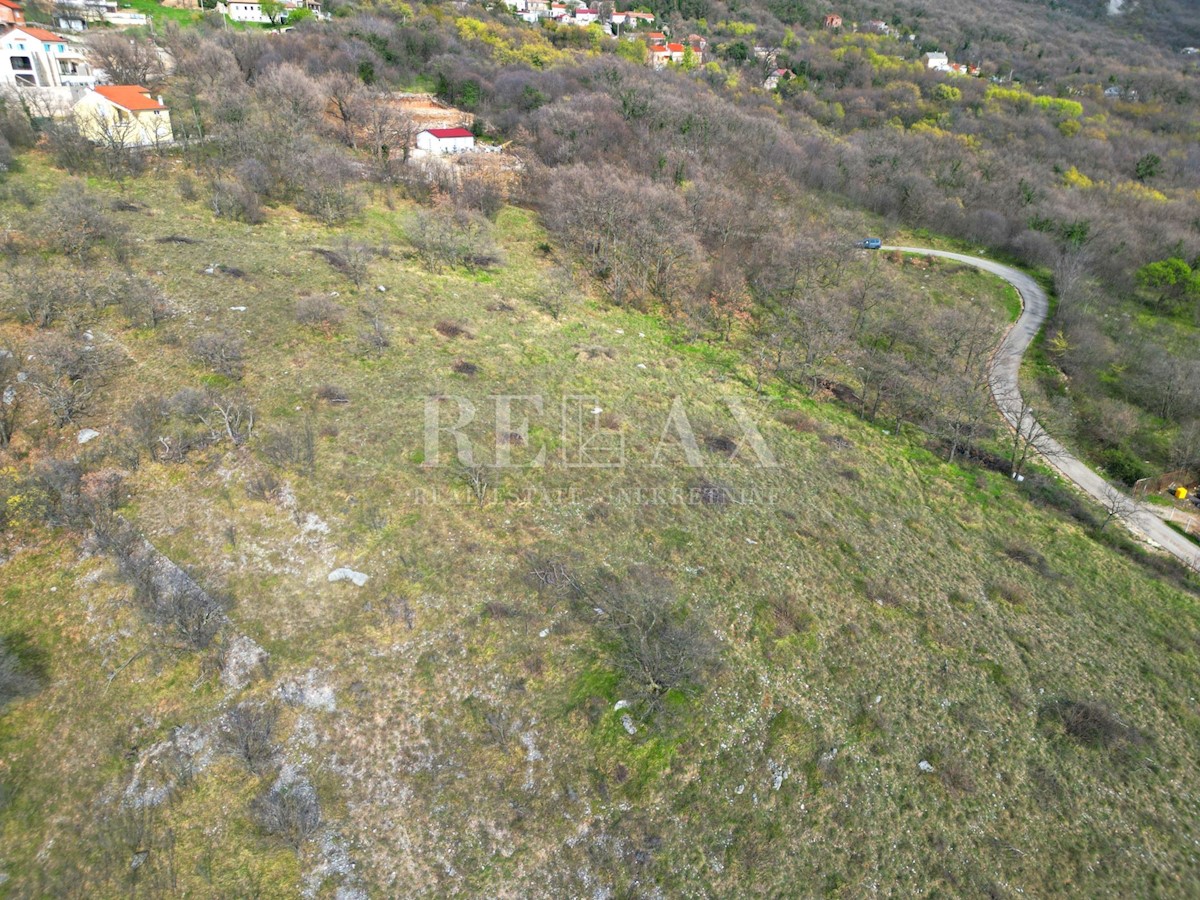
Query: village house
[(833, 21), (247, 11), (656, 38), (36, 58), (440, 141), (123, 115), (878, 26), (772, 80), (938, 62), (584, 16), (658, 55), (629, 21), (11, 13), (252, 11)]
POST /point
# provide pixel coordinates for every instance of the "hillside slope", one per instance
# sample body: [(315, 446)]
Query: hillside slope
[(672, 670)]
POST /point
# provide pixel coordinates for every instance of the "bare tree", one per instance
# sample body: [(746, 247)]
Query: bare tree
[(390, 133), (10, 396), (481, 480), (657, 645), (346, 97), (1116, 505), (1028, 438), (125, 59), (557, 292), (249, 734), (235, 416), (376, 335)]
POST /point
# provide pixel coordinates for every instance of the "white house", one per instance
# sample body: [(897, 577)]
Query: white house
[(34, 57), (248, 11), (938, 62), (776, 76), (438, 141), (585, 16)]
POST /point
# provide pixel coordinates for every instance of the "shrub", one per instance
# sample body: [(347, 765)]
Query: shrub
[(74, 223), (175, 601), (291, 448), (22, 671), (319, 311), (712, 493), (1124, 466), (442, 237), (222, 353), (450, 329), (1089, 723), (288, 811), (331, 393), (232, 199), (262, 485)]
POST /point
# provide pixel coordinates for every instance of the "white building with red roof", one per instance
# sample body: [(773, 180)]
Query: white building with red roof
[(34, 57), (440, 141)]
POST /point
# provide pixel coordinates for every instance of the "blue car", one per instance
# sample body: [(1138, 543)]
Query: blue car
[(871, 244)]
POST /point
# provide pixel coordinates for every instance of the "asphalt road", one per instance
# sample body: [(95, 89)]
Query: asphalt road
[(1006, 365)]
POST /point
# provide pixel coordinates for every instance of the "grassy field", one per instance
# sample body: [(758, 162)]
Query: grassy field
[(927, 683)]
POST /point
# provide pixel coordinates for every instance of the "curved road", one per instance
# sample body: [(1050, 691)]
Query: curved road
[(1003, 379)]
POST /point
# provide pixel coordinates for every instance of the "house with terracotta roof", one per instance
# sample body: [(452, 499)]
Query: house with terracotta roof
[(833, 21), (439, 141), (35, 58), (11, 13), (776, 76), (123, 115)]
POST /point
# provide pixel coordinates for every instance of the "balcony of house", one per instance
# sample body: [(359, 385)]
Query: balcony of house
[(74, 72), (22, 70)]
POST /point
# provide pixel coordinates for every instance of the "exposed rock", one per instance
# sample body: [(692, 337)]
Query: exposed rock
[(160, 767), (87, 434), (311, 690), (345, 574), (242, 661)]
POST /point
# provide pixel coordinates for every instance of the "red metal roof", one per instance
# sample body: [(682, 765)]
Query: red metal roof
[(129, 96), (449, 132), (10, 4)]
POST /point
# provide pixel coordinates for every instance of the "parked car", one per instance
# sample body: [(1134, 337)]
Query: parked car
[(870, 243)]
